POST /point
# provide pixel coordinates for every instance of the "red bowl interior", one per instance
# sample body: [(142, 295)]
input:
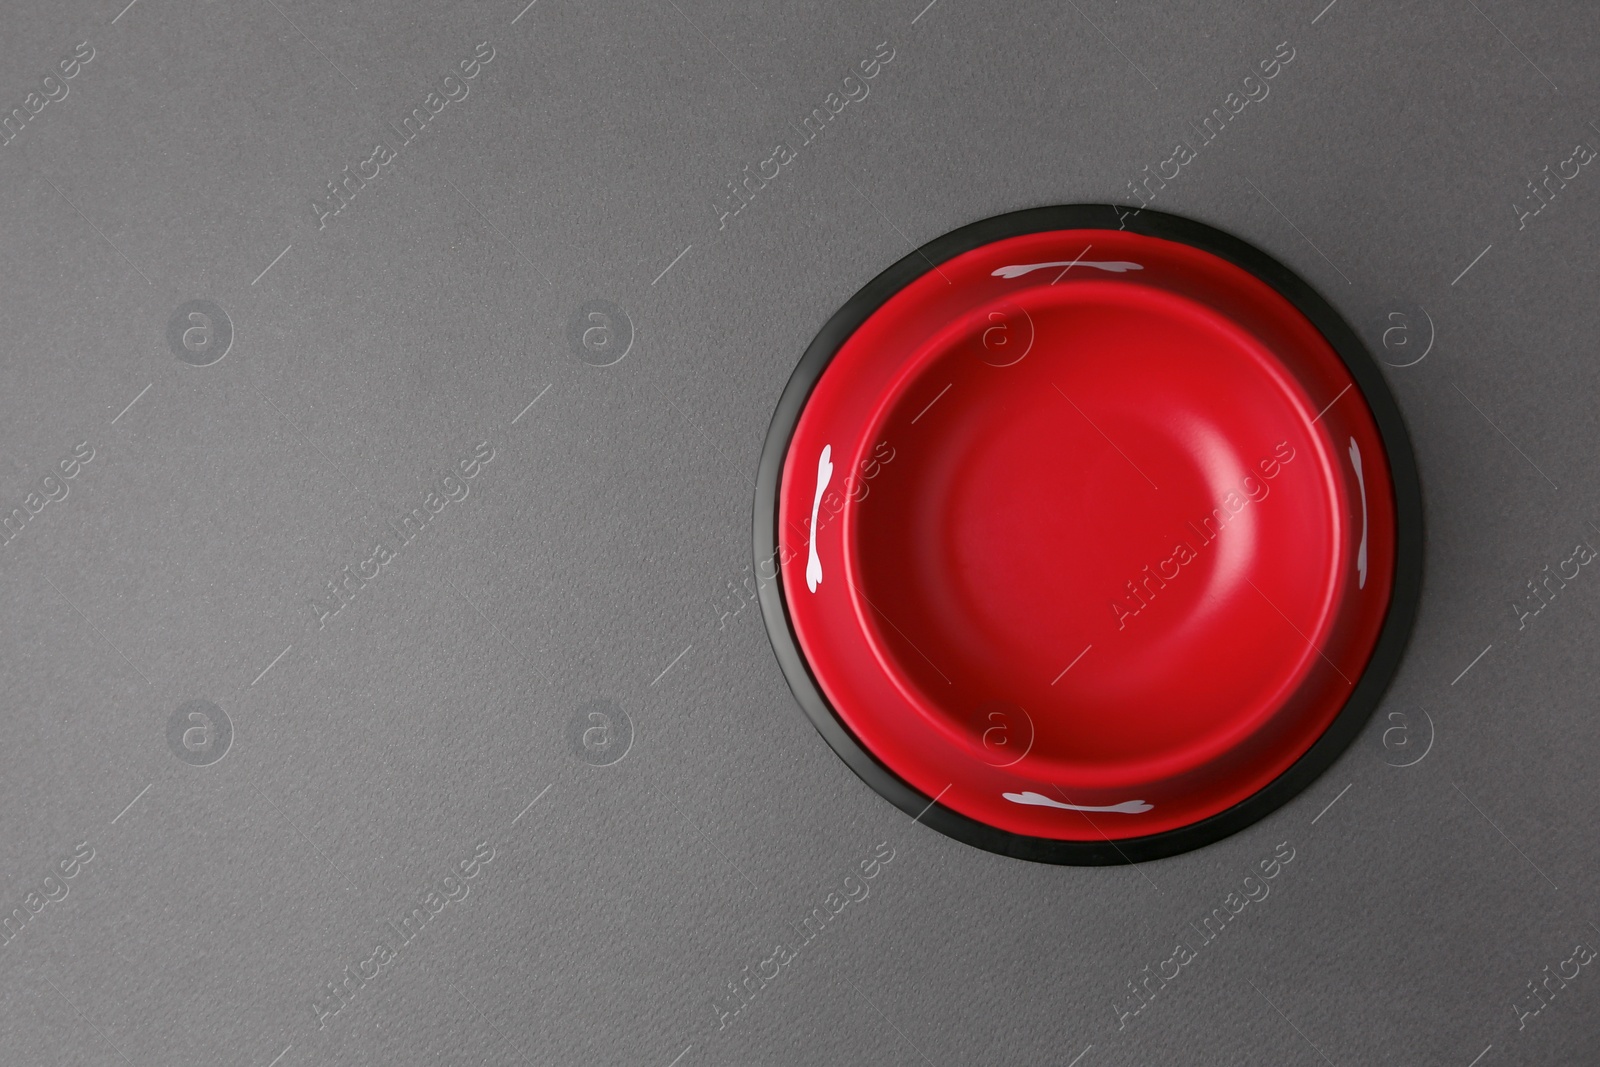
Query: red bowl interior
[(1102, 548)]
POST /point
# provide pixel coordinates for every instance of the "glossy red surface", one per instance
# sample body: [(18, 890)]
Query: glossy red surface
[(1115, 536)]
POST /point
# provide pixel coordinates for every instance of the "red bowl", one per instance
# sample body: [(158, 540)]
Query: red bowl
[(1096, 534)]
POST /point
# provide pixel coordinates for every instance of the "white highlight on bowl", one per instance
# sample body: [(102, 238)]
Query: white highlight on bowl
[(1361, 553), (814, 561), (1127, 807), (1115, 266)]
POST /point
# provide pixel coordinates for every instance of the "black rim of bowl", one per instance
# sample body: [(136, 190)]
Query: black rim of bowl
[(1369, 688)]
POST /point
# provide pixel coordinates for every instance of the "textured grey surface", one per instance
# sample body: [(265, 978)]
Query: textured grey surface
[(598, 556)]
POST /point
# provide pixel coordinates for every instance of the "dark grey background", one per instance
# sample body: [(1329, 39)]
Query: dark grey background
[(598, 556)]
